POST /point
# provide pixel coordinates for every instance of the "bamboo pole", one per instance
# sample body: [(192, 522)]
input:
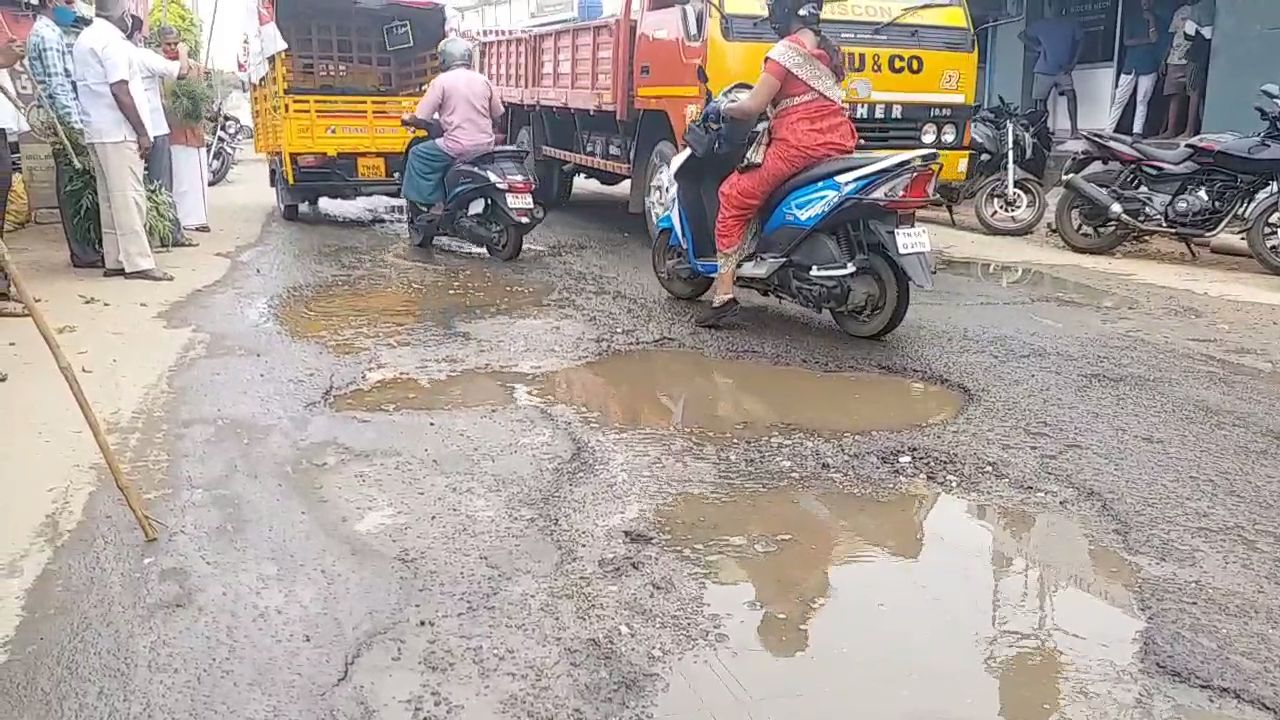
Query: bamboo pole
[(131, 497)]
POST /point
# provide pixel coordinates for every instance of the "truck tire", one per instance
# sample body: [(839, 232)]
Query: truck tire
[(554, 184), (658, 185), (288, 208)]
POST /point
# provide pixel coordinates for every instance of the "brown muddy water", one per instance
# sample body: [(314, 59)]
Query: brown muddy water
[(468, 390), (685, 390), (912, 606), (358, 314)]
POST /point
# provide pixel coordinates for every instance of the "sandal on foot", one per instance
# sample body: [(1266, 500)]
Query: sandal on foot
[(154, 275), (199, 228), (716, 314), (113, 272), (184, 242)]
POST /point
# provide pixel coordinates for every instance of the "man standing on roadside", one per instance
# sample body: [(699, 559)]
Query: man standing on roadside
[(1141, 67), (156, 70), (1058, 40), (10, 54), (113, 105), (49, 60)]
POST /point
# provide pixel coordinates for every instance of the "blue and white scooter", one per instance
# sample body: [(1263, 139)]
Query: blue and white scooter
[(840, 236)]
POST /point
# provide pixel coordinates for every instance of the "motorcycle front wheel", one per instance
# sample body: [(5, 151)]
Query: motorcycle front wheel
[(1264, 237), (1017, 213), (219, 166), (1085, 227), (886, 293)]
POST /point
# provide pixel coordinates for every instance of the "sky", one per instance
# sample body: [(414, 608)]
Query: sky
[(223, 34)]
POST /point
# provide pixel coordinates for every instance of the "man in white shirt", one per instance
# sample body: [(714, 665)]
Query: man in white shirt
[(155, 70), (113, 106)]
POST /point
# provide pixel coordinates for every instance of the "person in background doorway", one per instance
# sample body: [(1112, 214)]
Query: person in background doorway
[(1141, 66), (190, 156), (113, 105), (1199, 29), (1057, 40), (156, 70), (49, 60), (10, 55), (1176, 69)]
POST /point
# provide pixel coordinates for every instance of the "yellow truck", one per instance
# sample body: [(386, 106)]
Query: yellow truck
[(327, 112)]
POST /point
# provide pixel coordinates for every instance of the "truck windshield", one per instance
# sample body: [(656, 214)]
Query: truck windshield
[(868, 11)]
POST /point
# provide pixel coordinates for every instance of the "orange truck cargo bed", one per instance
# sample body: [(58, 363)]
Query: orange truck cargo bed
[(584, 66)]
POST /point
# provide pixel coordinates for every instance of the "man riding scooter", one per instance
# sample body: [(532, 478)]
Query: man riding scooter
[(464, 104)]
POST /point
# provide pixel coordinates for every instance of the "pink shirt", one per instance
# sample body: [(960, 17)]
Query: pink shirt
[(466, 105)]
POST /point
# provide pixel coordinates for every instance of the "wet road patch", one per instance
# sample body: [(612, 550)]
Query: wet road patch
[(687, 390), (915, 605), (357, 314), (1009, 275), (467, 390)]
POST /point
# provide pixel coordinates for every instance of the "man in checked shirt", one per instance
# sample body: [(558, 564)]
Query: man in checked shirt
[(49, 60)]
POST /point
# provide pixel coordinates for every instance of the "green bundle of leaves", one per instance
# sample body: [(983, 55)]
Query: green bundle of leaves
[(81, 188), (190, 100)]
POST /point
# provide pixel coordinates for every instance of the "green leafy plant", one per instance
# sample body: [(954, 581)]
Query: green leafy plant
[(81, 188), (190, 100), (179, 16)]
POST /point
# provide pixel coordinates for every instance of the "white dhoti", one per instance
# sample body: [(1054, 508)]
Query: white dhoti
[(191, 185)]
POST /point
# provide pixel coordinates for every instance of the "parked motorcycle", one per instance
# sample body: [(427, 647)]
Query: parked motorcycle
[(223, 146), (1007, 166), (1196, 190), (488, 201), (838, 237)]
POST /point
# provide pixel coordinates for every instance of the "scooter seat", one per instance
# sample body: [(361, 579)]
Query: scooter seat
[(1174, 155), (503, 152), (821, 171)]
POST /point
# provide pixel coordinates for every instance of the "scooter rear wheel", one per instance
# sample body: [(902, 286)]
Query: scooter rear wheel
[(507, 245), (683, 285), (889, 308)]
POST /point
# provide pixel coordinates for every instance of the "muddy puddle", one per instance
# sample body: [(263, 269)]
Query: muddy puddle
[(686, 390), (469, 390), (915, 605), (358, 314), (1010, 275)]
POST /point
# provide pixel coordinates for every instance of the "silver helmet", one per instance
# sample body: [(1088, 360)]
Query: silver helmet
[(454, 52)]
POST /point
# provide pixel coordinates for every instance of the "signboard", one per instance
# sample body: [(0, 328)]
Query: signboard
[(876, 11), (1098, 19)]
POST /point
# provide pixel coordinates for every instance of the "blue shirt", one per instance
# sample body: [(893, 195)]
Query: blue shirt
[(1142, 59), (49, 59), (1059, 40)]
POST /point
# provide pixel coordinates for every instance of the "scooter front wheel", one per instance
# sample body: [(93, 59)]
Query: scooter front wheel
[(886, 295), (506, 244), (682, 283)]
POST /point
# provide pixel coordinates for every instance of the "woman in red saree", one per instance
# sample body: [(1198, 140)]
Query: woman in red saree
[(800, 88)]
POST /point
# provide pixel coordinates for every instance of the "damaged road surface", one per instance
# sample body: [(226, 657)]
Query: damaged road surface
[(432, 486)]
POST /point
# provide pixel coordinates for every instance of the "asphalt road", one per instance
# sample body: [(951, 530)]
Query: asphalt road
[(408, 486)]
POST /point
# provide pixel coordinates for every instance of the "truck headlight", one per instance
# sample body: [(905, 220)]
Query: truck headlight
[(929, 134), (950, 133)]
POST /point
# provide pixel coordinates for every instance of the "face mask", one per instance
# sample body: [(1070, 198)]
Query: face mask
[(64, 15)]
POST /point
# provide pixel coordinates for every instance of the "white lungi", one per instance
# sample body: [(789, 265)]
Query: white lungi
[(191, 184)]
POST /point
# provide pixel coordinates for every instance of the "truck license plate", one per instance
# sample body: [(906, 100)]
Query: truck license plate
[(520, 201), (372, 168), (912, 240)]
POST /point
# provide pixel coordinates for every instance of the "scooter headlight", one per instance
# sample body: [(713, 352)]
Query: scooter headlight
[(929, 134), (950, 133)]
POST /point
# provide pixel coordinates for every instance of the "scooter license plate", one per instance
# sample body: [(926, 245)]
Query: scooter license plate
[(912, 240), (520, 201)]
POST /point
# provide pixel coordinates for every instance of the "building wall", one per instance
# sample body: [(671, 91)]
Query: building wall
[(1245, 55)]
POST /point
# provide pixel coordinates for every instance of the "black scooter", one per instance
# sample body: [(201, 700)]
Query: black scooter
[(1007, 166), (488, 201)]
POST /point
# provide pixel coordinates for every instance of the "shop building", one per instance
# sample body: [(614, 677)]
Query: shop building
[(1243, 56)]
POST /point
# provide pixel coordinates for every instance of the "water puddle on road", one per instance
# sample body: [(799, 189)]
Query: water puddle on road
[(916, 605), (681, 389), (359, 313), (1009, 275), (467, 390)]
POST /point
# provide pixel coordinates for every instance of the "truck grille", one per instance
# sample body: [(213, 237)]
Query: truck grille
[(887, 135)]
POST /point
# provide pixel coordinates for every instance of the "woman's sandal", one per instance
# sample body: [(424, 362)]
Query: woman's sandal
[(716, 314)]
